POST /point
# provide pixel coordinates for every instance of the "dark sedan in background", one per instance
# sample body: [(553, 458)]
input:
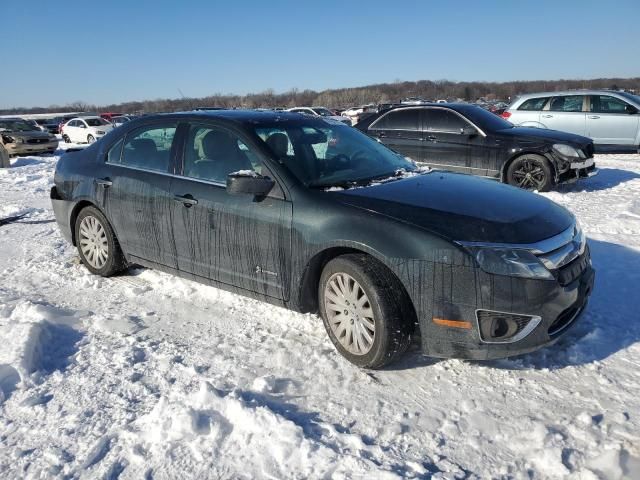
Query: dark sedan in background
[(315, 216), (468, 139)]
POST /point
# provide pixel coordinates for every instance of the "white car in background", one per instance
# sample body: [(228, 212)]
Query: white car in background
[(320, 112), (610, 118), (85, 129)]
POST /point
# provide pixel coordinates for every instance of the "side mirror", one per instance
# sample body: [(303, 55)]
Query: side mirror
[(630, 109), (249, 183), (468, 131)]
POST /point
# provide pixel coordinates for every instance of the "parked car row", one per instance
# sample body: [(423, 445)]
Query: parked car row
[(21, 137)]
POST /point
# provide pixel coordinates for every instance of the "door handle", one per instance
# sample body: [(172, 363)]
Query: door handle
[(186, 200), (381, 135), (547, 116), (104, 182), (593, 117), (431, 138)]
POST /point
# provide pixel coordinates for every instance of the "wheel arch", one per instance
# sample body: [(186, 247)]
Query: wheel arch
[(81, 205), (307, 301), (510, 160)]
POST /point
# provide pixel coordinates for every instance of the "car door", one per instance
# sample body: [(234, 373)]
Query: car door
[(399, 129), (566, 113), (136, 192), (612, 121), (81, 131), (238, 240), (528, 112), (451, 142), (71, 129)]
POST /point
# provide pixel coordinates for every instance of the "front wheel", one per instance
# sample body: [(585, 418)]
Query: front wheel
[(91, 139), (66, 139), (531, 172), (363, 307), (97, 243)]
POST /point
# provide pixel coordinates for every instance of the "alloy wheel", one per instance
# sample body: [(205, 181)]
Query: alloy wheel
[(93, 242), (530, 175), (349, 313)]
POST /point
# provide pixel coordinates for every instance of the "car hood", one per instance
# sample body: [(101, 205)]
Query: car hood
[(463, 208), (551, 136), (28, 135)]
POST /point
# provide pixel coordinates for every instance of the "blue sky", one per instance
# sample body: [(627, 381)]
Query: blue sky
[(57, 52)]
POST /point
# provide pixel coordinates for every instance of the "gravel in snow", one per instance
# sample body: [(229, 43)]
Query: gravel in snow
[(147, 375)]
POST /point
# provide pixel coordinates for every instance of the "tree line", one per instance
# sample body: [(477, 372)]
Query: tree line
[(346, 97)]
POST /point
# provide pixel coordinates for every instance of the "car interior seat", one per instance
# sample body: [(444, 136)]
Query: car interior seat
[(222, 157)]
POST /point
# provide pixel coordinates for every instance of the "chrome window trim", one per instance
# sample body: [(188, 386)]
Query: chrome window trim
[(542, 247), (167, 174), (422, 130), (531, 326)]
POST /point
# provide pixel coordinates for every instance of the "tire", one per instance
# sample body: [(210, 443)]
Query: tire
[(66, 139), (97, 243), (90, 139), (373, 336), (530, 172)]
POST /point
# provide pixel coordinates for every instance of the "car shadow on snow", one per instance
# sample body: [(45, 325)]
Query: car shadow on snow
[(609, 323), (606, 179)]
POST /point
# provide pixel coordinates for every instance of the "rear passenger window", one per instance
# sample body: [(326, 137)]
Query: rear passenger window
[(567, 103), (149, 148), (400, 119), (533, 104), (437, 120), (607, 104)]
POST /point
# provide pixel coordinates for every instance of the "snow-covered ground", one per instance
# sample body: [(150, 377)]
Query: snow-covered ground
[(150, 376)]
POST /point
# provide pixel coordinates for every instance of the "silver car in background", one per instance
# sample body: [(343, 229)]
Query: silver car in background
[(608, 117)]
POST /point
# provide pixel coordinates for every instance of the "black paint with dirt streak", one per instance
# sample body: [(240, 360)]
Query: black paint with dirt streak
[(274, 248)]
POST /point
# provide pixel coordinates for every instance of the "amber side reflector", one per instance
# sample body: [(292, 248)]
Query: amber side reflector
[(452, 323)]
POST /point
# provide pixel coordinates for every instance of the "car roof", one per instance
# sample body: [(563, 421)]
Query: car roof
[(525, 96), (238, 115)]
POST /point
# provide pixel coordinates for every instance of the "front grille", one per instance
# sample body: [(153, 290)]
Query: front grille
[(37, 141), (572, 271)]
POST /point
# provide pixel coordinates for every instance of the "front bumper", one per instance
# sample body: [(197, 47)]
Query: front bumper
[(578, 170), (556, 307), (28, 148)]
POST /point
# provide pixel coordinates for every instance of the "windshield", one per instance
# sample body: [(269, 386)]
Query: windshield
[(323, 112), (634, 98), (324, 154), (486, 121), (17, 126), (96, 122)]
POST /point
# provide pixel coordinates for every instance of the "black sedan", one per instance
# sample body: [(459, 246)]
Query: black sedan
[(315, 216), (468, 139)]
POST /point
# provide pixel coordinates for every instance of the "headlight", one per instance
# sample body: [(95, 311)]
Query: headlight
[(99, 132), (8, 139), (512, 262), (566, 150)]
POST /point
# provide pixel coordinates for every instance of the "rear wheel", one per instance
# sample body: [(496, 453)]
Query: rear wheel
[(531, 172), (361, 304), (97, 244), (91, 139)]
